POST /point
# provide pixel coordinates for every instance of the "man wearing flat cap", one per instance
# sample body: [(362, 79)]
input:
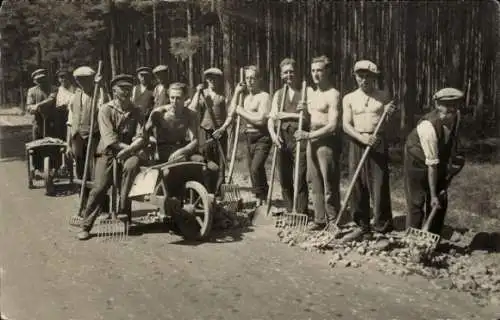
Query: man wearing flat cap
[(428, 150), (41, 103), (79, 118), (160, 91), (142, 94), (209, 103), (121, 129), (362, 110), (64, 95)]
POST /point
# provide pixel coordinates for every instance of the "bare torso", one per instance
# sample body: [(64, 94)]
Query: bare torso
[(255, 103), (319, 105), (366, 109)]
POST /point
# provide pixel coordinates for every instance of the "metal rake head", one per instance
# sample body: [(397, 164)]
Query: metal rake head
[(230, 192), (295, 221), (113, 230), (422, 238)]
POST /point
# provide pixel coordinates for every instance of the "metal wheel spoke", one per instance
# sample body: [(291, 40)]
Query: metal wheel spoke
[(200, 222)]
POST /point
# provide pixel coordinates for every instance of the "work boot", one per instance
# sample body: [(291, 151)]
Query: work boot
[(358, 234), (75, 221), (83, 235)]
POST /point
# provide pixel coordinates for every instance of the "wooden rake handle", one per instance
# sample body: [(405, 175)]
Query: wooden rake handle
[(297, 149), (236, 135)]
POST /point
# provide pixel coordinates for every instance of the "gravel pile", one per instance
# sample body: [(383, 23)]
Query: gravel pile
[(477, 273)]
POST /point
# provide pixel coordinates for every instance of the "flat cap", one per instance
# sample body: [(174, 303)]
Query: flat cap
[(62, 72), (366, 65), (448, 94), (213, 71), (160, 68), (39, 73), (143, 70), (124, 80), (83, 71), (178, 86)]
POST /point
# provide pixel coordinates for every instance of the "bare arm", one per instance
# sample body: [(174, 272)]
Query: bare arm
[(432, 175), (333, 115), (231, 111), (258, 118), (193, 139), (347, 121), (271, 124)]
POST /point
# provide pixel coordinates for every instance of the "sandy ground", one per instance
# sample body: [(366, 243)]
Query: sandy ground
[(242, 274)]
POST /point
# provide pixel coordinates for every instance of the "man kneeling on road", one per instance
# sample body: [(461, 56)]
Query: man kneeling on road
[(175, 129), (428, 150), (121, 129)]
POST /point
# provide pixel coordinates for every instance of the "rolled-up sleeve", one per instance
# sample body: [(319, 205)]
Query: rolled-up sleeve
[(108, 136), (428, 141), (30, 97)]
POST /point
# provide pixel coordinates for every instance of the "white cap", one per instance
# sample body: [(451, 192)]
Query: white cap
[(83, 71), (366, 65)]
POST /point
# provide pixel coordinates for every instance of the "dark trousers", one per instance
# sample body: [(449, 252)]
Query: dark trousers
[(211, 154), (258, 148), (79, 147), (103, 180), (373, 180), (60, 120), (323, 167), (37, 132), (286, 165), (418, 196)]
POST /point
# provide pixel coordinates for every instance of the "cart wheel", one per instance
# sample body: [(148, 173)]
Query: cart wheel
[(49, 176), (195, 217)]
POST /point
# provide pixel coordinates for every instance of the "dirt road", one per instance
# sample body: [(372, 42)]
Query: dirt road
[(50, 275)]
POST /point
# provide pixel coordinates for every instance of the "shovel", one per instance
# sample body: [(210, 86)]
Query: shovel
[(262, 212), (230, 193), (332, 230), (294, 220)]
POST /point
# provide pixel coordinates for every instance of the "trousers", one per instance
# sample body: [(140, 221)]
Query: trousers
[(418, 196), (258, 146), (373, 180), (103, 180), (211, 154), (79, 147), (286, 165), (323, 170)]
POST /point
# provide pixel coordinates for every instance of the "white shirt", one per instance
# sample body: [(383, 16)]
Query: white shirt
[(142, 88), (429, 142), (64, 96)]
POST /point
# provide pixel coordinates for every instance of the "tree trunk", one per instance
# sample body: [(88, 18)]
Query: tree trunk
[(410, 97), (112, 38), (190, 58), (212, 37)]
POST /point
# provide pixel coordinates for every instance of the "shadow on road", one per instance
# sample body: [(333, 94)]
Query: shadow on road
[(217, 236)]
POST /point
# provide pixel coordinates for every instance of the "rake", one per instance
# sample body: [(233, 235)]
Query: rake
[(331, 231), (294, 220), (422, 236), (230, 193), (114, 228)]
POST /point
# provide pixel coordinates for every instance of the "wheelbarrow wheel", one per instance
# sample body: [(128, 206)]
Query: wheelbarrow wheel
[(194, 217)]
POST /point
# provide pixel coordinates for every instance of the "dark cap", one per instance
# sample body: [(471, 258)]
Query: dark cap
[(143, 70), (124, 80), (62, 72)]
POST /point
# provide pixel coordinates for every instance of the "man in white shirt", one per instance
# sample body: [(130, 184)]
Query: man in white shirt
[(428, 150), (64, 95), (142, 94), (285, 140), (160, 91), (362, 110)]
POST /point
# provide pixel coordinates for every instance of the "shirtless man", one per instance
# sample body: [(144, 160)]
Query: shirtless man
[(174, 126), (362, 110), (323, 144), (255, 109), (285, 139)]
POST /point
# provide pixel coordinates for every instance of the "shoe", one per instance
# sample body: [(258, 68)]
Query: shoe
[(383, 229), (357, 235), (315, 226), (83, 235)]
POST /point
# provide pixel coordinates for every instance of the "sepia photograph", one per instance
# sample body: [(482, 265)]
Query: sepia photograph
[(249, 159)]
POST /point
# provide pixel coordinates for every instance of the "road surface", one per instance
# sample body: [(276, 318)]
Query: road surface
[(48, 274)]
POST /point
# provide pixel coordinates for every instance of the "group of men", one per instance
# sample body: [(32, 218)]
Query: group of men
[(138, 116)]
